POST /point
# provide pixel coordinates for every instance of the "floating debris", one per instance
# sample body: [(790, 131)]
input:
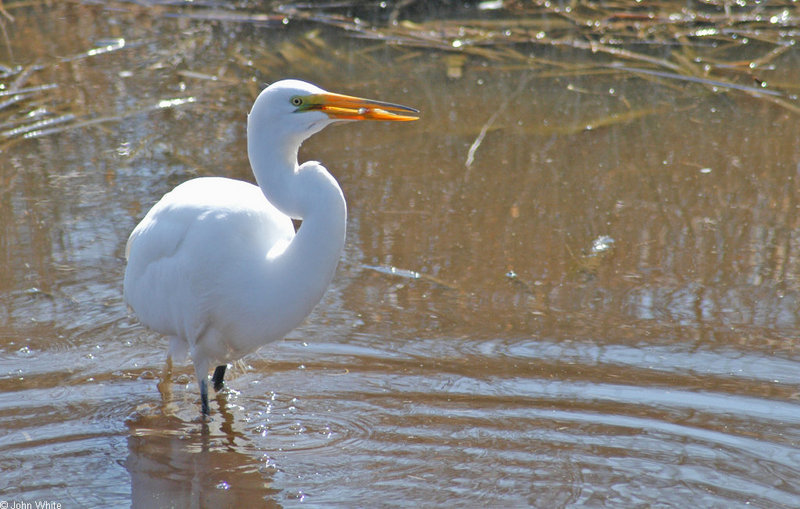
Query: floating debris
[(601, 246), (27, 90), (37, 126), (409, 274), (590, 261), (171, 103), (725, 47), (103, 47), (394, 271)]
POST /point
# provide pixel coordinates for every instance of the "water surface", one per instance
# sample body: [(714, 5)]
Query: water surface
[(543, 306)]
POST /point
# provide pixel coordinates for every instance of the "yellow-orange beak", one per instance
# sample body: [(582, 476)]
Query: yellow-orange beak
[(346, 107)]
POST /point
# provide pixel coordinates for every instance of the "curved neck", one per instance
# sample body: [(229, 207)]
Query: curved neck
[(273, 159), (313, 254), (307, 192)]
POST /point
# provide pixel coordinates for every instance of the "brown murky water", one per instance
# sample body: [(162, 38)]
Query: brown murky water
[(591, 313)]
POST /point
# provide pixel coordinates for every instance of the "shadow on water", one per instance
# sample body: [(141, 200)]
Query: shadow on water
[(568, 284)]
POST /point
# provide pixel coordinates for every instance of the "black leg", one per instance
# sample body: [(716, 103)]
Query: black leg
[(219, 374), (204, 396)]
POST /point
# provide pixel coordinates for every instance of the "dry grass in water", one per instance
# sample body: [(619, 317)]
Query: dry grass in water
[(727, 47)]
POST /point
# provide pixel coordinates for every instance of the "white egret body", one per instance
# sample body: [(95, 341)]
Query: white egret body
[(216, 265)]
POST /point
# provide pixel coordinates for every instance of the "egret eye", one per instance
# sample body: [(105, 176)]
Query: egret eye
[(297, 101)]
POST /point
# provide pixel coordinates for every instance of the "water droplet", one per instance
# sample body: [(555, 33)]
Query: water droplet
[(296, 495), (268, 468)]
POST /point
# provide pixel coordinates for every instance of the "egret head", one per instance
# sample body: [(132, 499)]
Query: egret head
[(301, 109)]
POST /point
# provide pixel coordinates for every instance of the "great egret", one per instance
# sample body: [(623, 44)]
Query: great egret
[(216, 264)]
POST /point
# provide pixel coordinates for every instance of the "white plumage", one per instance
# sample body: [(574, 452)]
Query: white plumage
[(216, 265)]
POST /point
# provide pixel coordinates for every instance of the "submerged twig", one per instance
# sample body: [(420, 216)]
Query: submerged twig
[(500, 110), (86, 122), (4, 13), (695, 79)]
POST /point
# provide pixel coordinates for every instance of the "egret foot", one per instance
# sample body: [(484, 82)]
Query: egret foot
[(217, 377), (165, 384)]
